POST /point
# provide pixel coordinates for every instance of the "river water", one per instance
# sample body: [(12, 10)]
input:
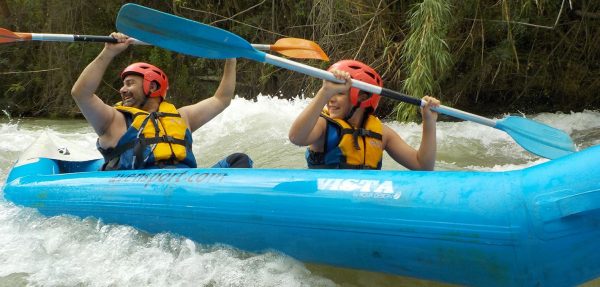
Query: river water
[(69, 251)]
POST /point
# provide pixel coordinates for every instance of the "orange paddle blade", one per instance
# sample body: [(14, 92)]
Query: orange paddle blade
[(7, 36), (299, 48)]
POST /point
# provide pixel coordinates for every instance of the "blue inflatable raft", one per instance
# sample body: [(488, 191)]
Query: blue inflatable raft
[(538, 226)]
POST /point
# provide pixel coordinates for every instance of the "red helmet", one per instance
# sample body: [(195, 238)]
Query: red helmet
[(360, 71), (150, 73)]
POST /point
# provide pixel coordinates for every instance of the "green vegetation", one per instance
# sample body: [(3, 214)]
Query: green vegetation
[(487, 57), (425, 52)]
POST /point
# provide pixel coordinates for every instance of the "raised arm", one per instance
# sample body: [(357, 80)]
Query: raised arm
[(97, 113), (401, 152), (200, 113), (307, 128)]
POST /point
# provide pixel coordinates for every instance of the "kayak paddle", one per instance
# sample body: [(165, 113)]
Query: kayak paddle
[(196, 39), (289, 47)]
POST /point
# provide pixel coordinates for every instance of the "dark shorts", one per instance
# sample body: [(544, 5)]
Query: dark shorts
[(236, 160)]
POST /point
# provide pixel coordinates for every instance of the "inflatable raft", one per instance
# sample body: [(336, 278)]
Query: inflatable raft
[(538, 226)]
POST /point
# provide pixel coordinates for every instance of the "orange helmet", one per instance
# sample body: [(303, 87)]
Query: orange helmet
[(150, 73), (360, 71)]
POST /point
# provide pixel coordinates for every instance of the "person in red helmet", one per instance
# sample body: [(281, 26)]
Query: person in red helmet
[(144, 130), (346, 134)]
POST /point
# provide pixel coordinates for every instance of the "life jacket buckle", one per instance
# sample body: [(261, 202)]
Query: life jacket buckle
[(362, 132), (168, 139)]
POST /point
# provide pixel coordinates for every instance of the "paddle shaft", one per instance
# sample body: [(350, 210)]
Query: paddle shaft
[(71, 38), (325, 75), (93, 38)]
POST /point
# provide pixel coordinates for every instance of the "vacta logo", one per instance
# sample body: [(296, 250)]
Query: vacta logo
[(361, 185)]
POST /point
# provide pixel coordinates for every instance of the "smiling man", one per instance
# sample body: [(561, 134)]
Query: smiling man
[(144, 130)]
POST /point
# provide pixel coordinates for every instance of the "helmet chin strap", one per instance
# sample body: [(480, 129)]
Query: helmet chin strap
[(352, 111), (145, 101), (147, 98)]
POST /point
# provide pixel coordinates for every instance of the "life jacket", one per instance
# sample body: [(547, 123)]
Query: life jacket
[(152, 140), (347, 147)]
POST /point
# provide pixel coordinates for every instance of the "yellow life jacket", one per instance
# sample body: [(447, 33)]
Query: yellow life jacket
[(349, 148), (152, 139)]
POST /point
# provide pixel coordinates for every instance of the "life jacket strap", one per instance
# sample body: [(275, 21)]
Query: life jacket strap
[(163, 115), (361, 132), (164, 139), (111, 153)]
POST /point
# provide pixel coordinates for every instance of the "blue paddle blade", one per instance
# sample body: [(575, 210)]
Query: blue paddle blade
[(537, 138), (183, 35)]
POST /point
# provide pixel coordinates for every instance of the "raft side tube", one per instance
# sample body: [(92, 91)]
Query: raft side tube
[(532, 227)]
